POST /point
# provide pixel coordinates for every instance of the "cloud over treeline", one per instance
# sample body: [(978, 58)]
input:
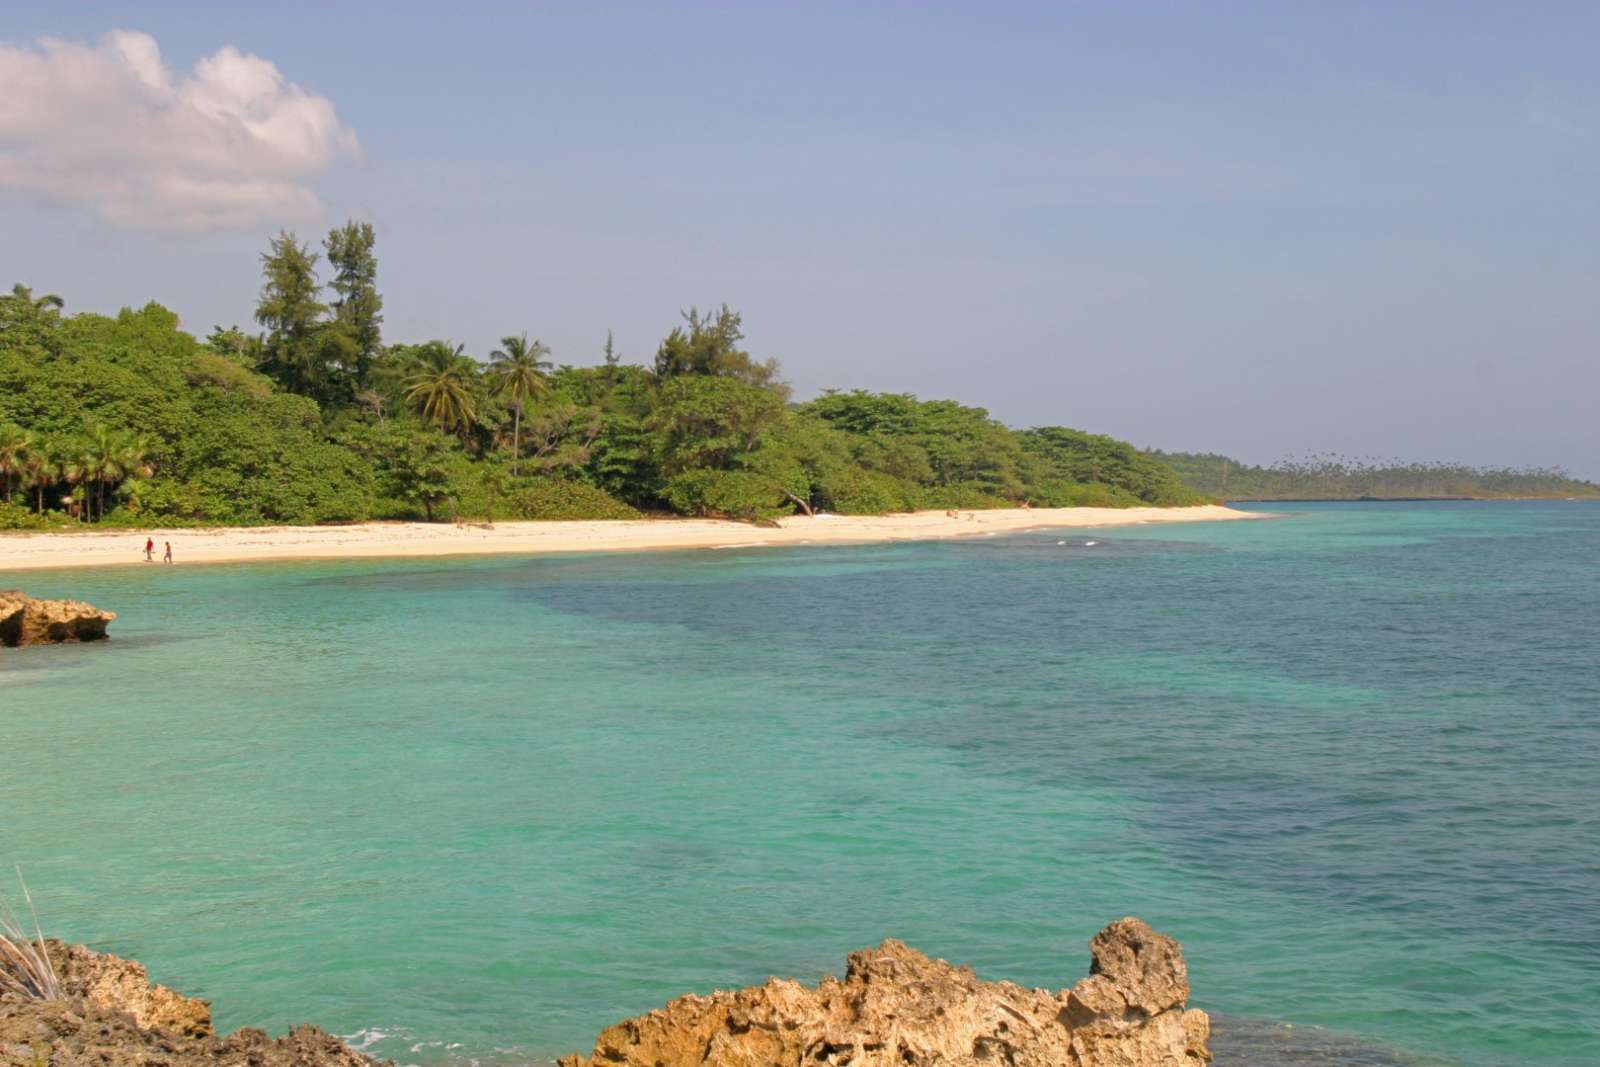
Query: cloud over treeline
[(112, 127)]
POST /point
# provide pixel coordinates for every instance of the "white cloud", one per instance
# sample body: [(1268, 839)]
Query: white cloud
[(111, 126)]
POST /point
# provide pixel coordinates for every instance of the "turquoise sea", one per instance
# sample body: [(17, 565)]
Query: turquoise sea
[(480, 809)]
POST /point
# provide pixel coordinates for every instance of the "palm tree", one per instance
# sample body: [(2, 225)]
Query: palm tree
[(22, 294), (100, 462), (75, 468), (132, 459), (14, 445), (518, 371), (39, 470), (441, 389)]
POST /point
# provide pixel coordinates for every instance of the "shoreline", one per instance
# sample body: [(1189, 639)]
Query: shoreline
[(402, 540), (1413, 500)]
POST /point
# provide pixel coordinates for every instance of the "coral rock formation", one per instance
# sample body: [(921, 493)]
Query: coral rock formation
[(26, 621), (894, 1007), (108, 981), (897, 1007), (113, 1016)]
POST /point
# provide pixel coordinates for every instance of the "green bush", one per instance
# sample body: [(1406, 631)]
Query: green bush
[(17, 517), (557, 499), (1082, 495), (727, 494), (1074, 456), (853, 491), (164, 501), (970, 495)]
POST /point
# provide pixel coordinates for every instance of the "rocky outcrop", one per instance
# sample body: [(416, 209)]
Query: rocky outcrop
[(894, 1007), (112, 982), (897, 1007), (26, 621), (113, 1016)]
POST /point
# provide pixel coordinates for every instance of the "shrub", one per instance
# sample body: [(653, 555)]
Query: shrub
[(729, 494), (1077, 457), (17, 517), (558, 499), (969, 495), (853, 491), (1082, 495)]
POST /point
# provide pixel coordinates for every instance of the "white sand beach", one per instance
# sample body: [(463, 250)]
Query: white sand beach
[(31, 551)]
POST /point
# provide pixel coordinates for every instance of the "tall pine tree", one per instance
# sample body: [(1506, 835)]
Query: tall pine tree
[(358, 308), (295, 350)]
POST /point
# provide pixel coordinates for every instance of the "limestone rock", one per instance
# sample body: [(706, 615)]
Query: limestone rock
[(113, 1016), (26, 621), (109, 981), (897, 1007)]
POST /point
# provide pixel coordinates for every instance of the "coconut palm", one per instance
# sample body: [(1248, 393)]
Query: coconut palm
[(40, 470), (132, 460), (14, 445), (24, 295), (518, 372), (100, 461), (441, 389), (76, 467)]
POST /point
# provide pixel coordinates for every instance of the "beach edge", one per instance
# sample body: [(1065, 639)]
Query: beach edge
[(59, 550)]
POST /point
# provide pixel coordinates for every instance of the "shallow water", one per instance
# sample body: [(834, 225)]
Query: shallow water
[(483, 808)]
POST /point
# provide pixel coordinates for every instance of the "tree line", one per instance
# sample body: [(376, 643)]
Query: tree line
[(1330, 476), (316, 417)]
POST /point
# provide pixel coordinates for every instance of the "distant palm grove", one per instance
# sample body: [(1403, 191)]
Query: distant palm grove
[(128, 420), (1330, 477)]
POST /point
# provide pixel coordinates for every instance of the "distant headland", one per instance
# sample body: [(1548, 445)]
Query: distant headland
[(1328, 477)]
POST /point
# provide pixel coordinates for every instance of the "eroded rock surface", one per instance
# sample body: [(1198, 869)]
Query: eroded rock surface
[(114, 1016), (26, 621), (112, 982), (897, 1007)]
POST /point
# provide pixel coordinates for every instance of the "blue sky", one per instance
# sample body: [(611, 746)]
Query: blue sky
[(1260, 229)]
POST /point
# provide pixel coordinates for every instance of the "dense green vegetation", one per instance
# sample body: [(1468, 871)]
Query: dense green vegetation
[(129, 420), (1339, 478)]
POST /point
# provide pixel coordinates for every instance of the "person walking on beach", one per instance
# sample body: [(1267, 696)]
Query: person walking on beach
[(168, 557), (149, 549)]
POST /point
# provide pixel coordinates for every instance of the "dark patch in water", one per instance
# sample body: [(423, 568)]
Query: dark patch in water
[(409, 579), (68, 653), (1240, 1041)]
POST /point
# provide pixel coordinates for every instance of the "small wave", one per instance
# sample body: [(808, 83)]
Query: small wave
[(388, 1043), (362, 1040)]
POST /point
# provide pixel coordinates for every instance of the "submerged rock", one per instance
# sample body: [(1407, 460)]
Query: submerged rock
[(113, 1016), (26, 621), (1239, 1041), (897, 1007)]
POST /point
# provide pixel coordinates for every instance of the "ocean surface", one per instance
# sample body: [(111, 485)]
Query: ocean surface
[(477, 810)]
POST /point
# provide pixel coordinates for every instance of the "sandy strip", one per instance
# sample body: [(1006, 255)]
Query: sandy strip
[(30, 551)]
